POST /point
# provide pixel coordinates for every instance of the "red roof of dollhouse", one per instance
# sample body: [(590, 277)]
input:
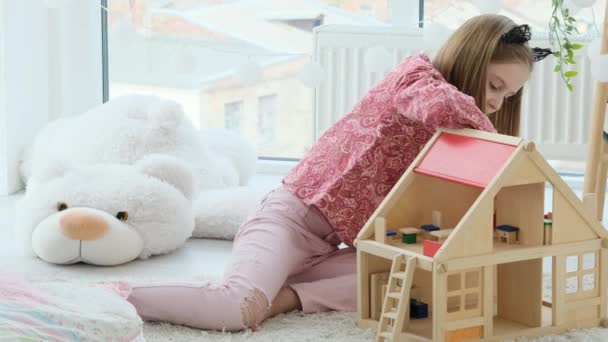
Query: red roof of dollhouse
[(466, 160)]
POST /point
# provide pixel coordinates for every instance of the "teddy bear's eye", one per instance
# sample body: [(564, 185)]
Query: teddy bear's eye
[(123, 216), (61, 206)]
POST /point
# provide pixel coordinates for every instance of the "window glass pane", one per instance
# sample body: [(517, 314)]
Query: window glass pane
[(588, 261), (454, 283), (472, 280), (471, 301), (454, 303), (233, 64), (266, 122), (588, 281), (572, 285), (535, 13), (571, 263), (232, 115)]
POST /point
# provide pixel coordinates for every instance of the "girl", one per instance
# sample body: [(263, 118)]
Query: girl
[(286, 256)]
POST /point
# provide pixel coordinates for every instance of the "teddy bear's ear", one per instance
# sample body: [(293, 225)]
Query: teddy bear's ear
[(170, 170)]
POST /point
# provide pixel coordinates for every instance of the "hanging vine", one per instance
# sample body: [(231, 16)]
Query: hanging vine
[(561, 28)]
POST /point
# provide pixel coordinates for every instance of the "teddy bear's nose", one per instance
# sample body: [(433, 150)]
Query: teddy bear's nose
[(83, 226)]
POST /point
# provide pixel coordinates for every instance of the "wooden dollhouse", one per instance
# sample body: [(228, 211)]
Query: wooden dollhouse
[(457, 248)]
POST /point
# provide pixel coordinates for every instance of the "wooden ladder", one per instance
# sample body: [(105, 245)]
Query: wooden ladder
[(395, 309)]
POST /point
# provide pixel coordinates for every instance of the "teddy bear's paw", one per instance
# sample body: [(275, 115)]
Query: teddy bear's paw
[(220, 213)]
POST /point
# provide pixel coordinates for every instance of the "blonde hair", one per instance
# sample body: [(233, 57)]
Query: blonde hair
[(464, 59)]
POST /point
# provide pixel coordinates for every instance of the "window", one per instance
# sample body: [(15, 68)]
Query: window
[(209, 54), (464, 294), (266, 120), (232, 115), (581, 275)]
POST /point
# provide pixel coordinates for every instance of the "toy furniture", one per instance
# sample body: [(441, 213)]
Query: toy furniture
[(392, 235), (441, 235), (475, 286), (507, 234), (409, 235), (427, 229), (418, 309), (596, 167)]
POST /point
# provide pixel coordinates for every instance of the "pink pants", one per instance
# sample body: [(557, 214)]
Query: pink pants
[(286, 243)]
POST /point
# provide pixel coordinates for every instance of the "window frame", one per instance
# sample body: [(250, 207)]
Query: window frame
[(579, 274)]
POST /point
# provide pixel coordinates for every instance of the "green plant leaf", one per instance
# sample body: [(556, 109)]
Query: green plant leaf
[(571, 73), (576, 46), (557, 68), (570, 87)]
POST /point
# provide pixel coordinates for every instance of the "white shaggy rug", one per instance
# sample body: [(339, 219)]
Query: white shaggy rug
[(205, 259)]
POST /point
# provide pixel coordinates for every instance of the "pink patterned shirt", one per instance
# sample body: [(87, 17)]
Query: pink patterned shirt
[(354, 165)]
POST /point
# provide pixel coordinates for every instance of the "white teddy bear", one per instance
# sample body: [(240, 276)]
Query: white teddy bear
[(128, 128), (109, 214), (81, 155)]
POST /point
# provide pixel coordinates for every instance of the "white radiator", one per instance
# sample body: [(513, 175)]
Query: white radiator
[(554, 118)]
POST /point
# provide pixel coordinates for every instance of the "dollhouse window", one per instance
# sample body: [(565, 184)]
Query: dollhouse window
[(581, 275), (464, 293)]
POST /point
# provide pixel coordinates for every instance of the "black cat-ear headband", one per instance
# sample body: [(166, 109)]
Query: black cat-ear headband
[(521, 34)]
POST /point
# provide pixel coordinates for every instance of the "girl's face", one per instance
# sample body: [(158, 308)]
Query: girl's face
[(503, 80)]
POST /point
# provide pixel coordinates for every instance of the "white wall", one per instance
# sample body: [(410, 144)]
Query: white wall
[(50, 65)]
